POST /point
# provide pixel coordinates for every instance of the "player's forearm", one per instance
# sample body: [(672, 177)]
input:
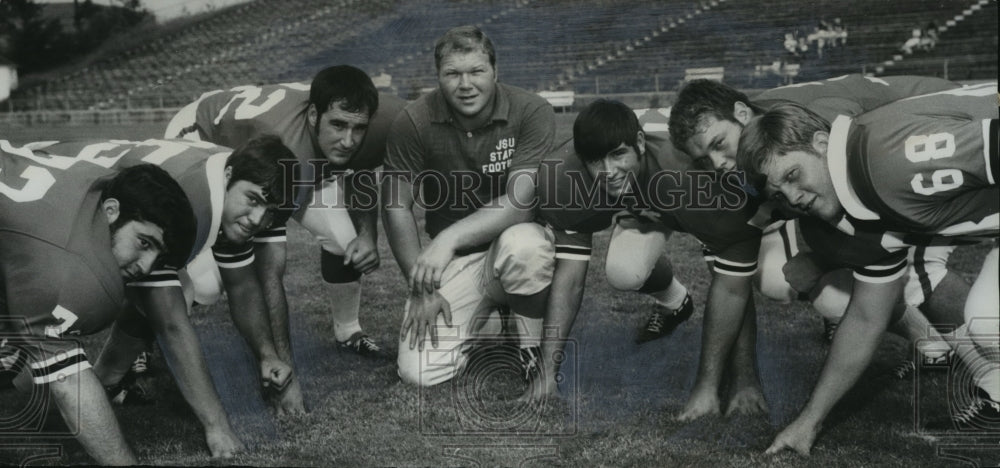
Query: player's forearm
[(269, 265), (404, 239), (850, 353), (743, 357), (182, 351), (565, 296), (365, 223), (724, 314), (247, 308), (81, 400)]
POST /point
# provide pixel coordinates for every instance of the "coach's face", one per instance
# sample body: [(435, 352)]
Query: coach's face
[(468, 83), (245, 211), (619, 167), (802, 180), (136, 245), (338, 132)]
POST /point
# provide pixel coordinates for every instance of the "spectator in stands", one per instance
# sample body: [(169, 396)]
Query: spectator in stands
[(840, 32), (484, 251), (915, 41), (930, 36), (791, 44)]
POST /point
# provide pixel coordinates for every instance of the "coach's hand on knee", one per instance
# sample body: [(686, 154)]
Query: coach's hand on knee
[(422, 318), (429, 268)]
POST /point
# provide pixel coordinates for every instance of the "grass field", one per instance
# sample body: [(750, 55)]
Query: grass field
[(618, 399)]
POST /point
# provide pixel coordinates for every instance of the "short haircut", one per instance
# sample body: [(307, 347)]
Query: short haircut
[(601, 127), (349, 85), (147, 193), (700, 99), (782, 129), (266, 161), (464, 39)]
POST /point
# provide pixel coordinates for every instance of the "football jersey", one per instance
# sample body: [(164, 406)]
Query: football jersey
[(861, 251), (923, 165), (198, 167), (58, 274), (231, 117), (851, 95)]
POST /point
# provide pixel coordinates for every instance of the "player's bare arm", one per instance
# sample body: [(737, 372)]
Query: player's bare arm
[(247, 308), (166, 312), (269, 265), (868, 314), (565, 296), (728, 297), (745, 395)]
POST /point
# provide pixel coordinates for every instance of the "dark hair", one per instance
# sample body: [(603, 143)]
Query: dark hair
[(700, 99), (782, 129), (266, 161), (601, 127), (147, 193), (343, 83), (464, 39)]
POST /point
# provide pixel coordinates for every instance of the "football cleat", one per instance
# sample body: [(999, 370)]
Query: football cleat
[(361, 344), (662, 321), (129, 392), (829, 329)]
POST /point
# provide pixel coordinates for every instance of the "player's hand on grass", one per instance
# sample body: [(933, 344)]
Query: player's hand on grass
[(429, 268), (422, 318), (362, 254), (798, 436), (802, 272), (274, 373), (289, 402), (222, 443), (747, 401), (701, 403)]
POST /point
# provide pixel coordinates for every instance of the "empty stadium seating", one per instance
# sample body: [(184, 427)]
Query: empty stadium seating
[(585, 46)]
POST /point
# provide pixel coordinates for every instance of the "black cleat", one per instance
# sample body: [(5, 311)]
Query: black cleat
[(662, 321), (361, 344)]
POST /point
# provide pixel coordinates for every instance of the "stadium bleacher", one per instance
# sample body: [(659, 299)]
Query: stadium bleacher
[(585, 46)]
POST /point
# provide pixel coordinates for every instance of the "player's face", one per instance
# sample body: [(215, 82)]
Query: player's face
[(716, 144), (616, 169), (468, 83), (245, 211), (801, 180), (339, 132), (136, 245)]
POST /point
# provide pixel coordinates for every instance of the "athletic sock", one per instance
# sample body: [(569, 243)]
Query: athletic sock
[(344, 307), (672, 297)]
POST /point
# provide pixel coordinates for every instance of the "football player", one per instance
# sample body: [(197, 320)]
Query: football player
[(706, 121), (913, 172), (473, 147), (68, 242), (234, 194), (656, 182), (337, 127)]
